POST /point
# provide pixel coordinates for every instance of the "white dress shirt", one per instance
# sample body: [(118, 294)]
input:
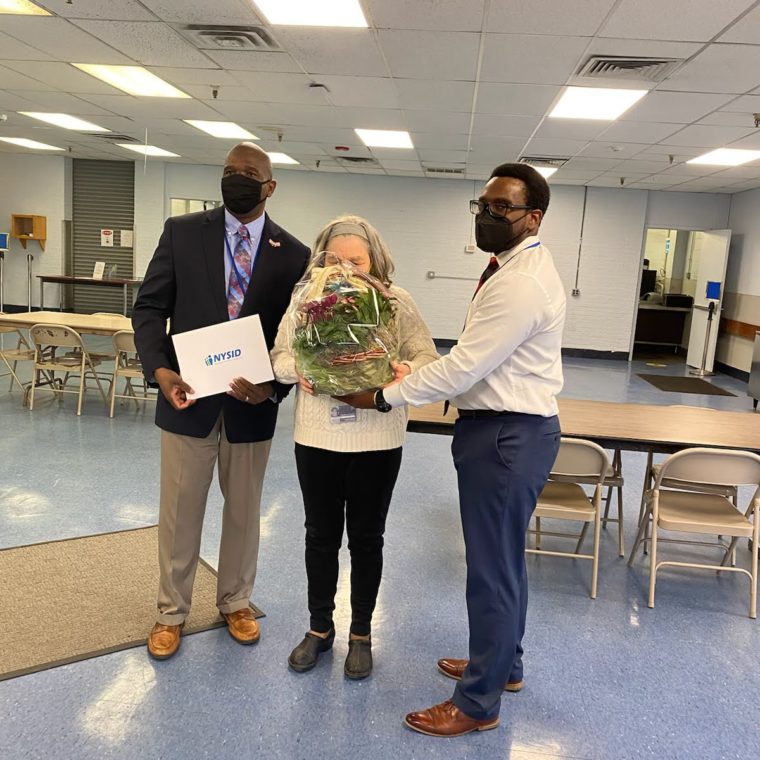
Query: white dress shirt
[(508, 357), (231, 227)]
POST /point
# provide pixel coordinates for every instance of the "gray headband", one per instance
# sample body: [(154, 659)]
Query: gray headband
[(348, 228)]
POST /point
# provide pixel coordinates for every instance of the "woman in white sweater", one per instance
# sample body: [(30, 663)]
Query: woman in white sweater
[(347, 462)]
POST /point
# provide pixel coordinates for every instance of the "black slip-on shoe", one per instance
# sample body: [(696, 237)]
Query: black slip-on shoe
[(304, 656), (359, 660)]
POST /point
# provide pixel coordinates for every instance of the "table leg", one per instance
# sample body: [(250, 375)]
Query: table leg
[(125, 299), (42, 290)]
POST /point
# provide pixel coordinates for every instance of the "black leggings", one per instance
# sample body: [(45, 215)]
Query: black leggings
[(358, 485)]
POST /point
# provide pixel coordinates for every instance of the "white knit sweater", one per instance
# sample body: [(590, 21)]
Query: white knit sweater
[(372, 430)]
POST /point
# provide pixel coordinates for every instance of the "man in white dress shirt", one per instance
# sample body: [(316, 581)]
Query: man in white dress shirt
[(503, 377)]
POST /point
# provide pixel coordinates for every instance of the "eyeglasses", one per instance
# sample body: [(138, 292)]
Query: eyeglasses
[(497, 209)]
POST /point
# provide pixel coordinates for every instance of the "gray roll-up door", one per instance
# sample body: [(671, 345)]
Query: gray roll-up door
[(103, 198)]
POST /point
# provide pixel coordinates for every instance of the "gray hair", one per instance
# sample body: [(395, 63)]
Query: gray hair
[(381, 263)]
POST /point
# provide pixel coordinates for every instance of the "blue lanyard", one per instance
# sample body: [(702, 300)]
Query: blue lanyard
[(534, 245), (242, 281)]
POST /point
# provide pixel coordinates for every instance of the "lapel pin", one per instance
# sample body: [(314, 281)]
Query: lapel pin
[(274, 243)]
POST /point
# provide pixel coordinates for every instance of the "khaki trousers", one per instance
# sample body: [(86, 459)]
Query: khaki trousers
[(187, 469)]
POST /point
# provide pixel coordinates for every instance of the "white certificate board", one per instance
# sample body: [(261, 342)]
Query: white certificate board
[(210, 358)]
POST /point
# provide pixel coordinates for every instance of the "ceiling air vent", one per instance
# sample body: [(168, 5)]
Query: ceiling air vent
[(206, 37), (357, 160), (444, 171), (553, 161), (624, 67), (111, 136)]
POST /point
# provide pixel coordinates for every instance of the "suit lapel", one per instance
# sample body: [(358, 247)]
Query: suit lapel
[(213, 252)]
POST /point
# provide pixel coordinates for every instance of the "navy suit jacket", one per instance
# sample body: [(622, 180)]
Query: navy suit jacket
[(185, 284)]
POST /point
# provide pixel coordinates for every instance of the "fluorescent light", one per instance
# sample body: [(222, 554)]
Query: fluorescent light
[(310, 13), (544, 171), (65, 121), (225, 129), (22, 8), (134, 80), (384, 138), (281, 158), (24, 143), (595, 103), (148, 150), (726, 157)]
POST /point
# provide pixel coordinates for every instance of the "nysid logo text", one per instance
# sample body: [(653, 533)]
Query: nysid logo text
[(224, 356)]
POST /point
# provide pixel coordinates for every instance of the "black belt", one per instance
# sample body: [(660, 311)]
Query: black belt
[(477, 414)]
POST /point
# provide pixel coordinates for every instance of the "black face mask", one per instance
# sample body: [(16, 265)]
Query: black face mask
[(495, 234), (241, 194)]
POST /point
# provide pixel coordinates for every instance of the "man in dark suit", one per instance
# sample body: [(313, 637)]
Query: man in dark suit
[(211, 267)]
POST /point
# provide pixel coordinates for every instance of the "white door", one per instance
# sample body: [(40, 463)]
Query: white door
[(713, 259)]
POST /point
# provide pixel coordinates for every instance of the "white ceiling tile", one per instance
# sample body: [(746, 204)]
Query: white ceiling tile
[(720, 68), (571, 129), (435, 95), (619, 150), (437, 121), (606, 45), (431, 15), (531, 59), (13, 80), (493, 125), (728, 119), (710, 136), (515, 99), (373, 92), (639, 166), (596, 164), (431, 55), (61, 40), (240, 111), (672, 20), (293, 148), (12, 49), (60, 76), (495, 154), (216, 12), (430, 156), (747, 103), (124, 10), (15, 101), (750, 142), (545, 146), (371, 118), (439, 141), (555, 180), (334, 51), (212, 75), (640, 132), (330, 136), (253, 60), (581, 17), (678, 107), (395, 164), (62, 102), (739, 173), (686, 171), (746, 29), (275, 87), (564, 174), (148, 43), (137, 108)]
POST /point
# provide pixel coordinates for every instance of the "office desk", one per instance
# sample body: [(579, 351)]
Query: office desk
[(660, 325), (65, 279), (632, 427), (88, 324)]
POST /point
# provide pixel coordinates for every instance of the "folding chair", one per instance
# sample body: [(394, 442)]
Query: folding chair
[(578, 463), (22, 352), (701, 512), (128, 366), (48, 339)]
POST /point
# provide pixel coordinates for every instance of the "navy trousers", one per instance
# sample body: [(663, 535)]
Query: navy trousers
[(502, 464)]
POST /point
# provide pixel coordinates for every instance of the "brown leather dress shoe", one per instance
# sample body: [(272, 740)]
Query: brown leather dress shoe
[(454, 668), (242, 625), (447, 719), (163, 641)]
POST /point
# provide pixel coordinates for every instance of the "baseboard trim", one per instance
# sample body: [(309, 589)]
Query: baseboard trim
[(727, 369)]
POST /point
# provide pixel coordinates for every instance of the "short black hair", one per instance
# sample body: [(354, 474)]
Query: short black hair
[(537, 195)]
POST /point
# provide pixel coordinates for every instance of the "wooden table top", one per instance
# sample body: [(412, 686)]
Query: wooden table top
[(73, 280), (82, 323), (630, 426)]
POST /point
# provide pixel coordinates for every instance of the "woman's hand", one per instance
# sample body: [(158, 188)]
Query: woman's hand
[(305, 386), (400, 371)]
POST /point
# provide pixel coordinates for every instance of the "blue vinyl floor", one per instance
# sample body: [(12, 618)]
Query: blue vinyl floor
[(606, 678)]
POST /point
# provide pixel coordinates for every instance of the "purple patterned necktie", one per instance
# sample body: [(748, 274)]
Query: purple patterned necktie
[(242, 259)]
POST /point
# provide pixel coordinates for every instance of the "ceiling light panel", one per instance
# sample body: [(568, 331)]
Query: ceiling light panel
[(24, 143), (346, 13), (600, 103), (281, 158), (222, 129), (148, 150), (22, 8), (65, 121), (545, 171), (385, 138), (134, 80), (726, 157)]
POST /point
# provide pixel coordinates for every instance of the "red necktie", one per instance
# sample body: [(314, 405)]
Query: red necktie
[(492, 268)]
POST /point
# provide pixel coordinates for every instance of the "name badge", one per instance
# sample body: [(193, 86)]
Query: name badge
[(341, 413)]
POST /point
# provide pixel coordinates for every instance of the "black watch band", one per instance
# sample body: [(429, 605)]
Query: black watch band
[(380, 403)]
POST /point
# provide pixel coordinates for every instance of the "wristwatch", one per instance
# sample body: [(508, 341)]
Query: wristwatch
[(380, 403)]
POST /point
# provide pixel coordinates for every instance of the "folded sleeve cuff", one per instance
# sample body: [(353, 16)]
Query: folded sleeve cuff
[(393, 395)]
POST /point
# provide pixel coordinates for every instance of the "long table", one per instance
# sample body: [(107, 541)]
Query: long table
[(107, 282), (631, 427), (89, 324)]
